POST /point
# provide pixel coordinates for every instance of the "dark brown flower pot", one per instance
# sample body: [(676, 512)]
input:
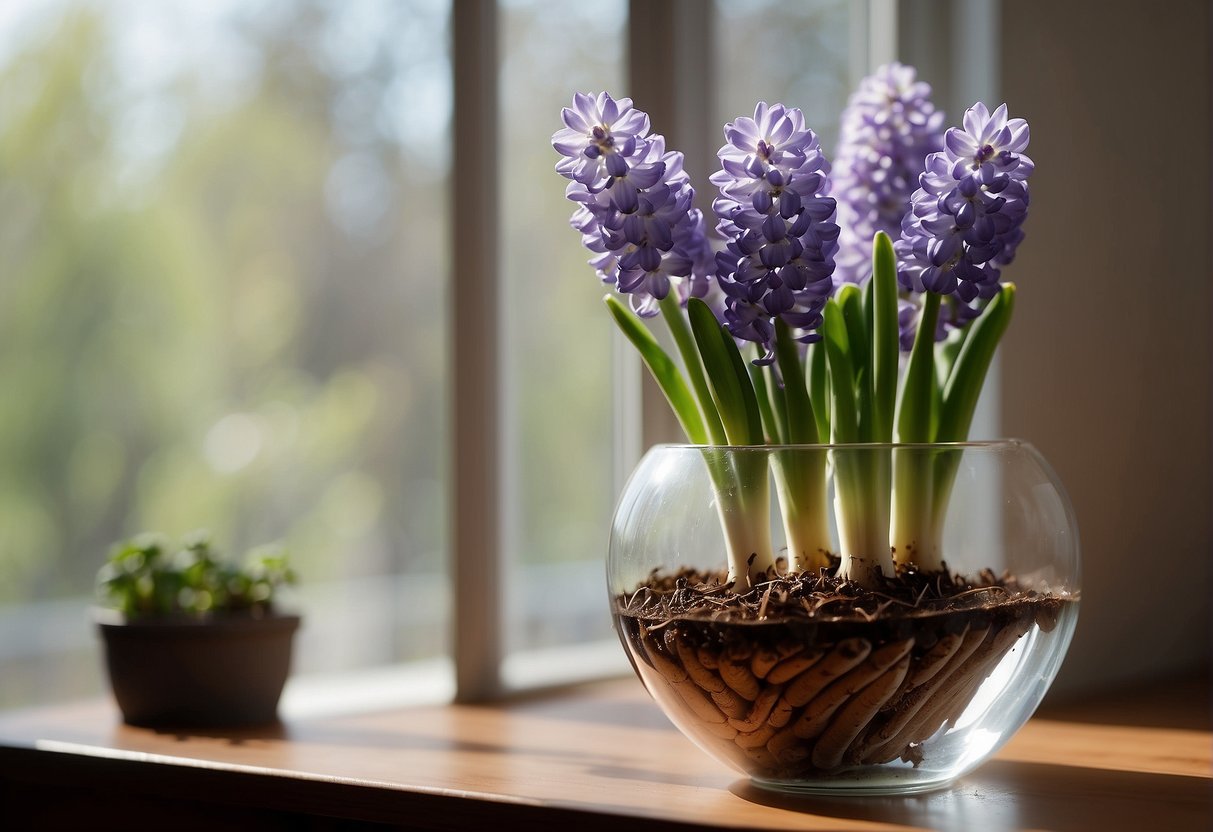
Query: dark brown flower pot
[(178, 672)]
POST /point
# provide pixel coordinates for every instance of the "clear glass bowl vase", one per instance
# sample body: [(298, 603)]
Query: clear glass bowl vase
[(961, 567)]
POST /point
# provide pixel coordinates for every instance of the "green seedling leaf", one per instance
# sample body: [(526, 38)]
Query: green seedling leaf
[(801, 422), (672, 312), (843, 416), (723, 376), (919, 388), (969, 373), (662, 368), (885, 337)]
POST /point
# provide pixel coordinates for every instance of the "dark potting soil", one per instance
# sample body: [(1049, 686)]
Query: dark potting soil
[(912, 603), (807, 675)]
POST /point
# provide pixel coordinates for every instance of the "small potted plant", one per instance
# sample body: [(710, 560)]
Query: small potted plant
[(900, 608), (192, 640)]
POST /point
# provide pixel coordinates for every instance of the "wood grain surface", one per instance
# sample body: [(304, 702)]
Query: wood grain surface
[(594, 757)]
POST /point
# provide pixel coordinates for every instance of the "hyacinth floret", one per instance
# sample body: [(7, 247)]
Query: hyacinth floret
[(634, 202), (888, 129), (595, 129), (967, 215), (781, 237)]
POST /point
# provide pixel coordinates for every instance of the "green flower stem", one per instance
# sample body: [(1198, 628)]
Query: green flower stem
[(945, 356), (664, 371), (771, 407), (843, 416), (860, 339), (915, 418), (945, 464), (861, 507), (800, 475), (911, 536), (923, 481), (883, 374), (969, 373), (742, 491), (860, 486), (749, 397), (801, 487), (802, 424), (959, 402), (865, 507), (726, 386), (819, 388), (752, 472), (743, 505), (672, 312), (885, 344)]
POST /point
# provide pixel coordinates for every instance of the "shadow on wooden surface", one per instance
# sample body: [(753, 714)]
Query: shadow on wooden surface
[(1182, 702), (1004, 795)]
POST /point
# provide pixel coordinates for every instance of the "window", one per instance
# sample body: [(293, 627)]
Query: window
[(226, 259), (559, 420), (225, 303)]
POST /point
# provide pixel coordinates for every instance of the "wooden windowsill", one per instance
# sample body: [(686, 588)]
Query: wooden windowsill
[(599, 756)]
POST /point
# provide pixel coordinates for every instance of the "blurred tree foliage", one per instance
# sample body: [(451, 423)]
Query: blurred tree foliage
[(223, 288), (560, 428), (242, 330)]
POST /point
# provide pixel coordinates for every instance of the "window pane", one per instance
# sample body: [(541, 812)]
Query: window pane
[(796, 52), (222, 307), (557, 343)]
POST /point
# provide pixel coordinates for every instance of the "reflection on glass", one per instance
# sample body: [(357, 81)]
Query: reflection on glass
[(221, 306), (557, 337)]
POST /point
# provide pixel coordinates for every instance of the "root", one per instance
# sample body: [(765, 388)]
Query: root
[(854, 717), (934, 659), (703, 677), (782, 704), (733, 705), (763, 662), (763, 706), (817, 715), (849, 653), (789, 669), (736, 674), (887, 742)]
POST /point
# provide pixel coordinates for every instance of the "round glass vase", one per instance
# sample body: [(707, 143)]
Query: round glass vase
[(846, 619)]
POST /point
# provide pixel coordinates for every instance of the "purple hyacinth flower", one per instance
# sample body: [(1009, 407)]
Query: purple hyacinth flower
[(781, 237), (634, 203), (888, 129), (967, 215), (597, 129)]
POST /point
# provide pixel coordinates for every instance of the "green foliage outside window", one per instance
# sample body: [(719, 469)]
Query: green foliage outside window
[(218, 322)]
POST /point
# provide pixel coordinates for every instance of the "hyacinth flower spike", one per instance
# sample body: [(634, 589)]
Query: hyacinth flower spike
[(776, 287), (635, 216), (888, 129), (964, 226), (776, 274)]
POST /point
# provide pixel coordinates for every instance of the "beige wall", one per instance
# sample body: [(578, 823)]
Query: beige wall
[(1106, 368)]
